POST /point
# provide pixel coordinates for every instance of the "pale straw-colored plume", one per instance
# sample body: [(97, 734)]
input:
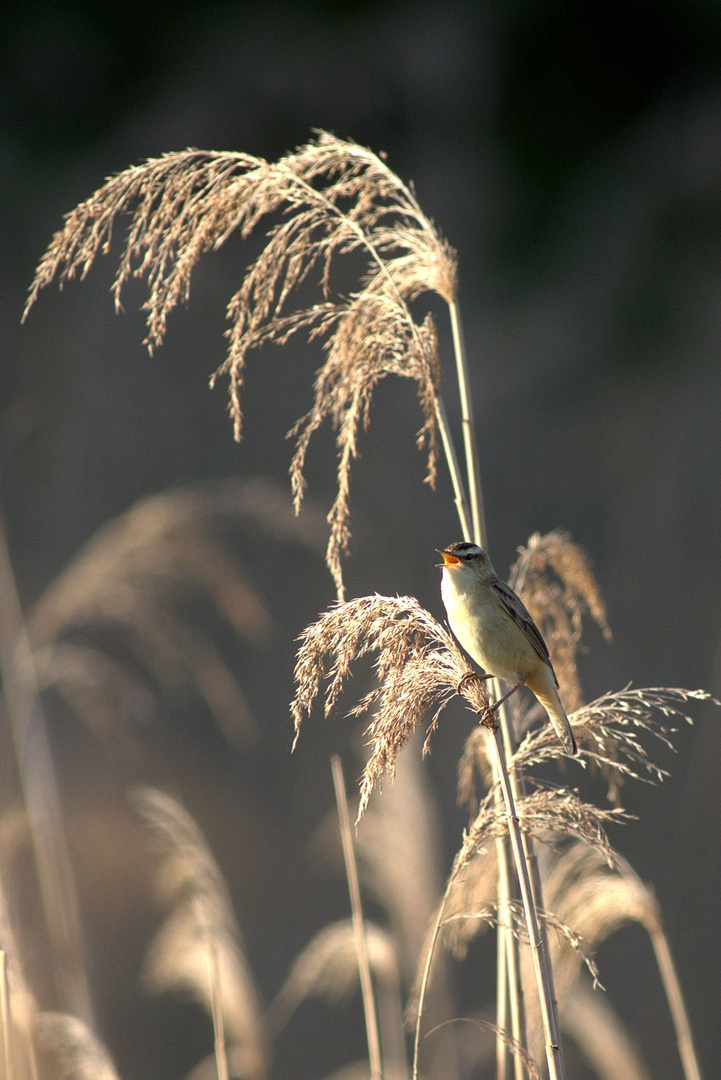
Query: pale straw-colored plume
[(553, 577), (323, 203), (120, 624), (198, 948), (418, 669), (612, 730), (67, 1050), (328, 968)]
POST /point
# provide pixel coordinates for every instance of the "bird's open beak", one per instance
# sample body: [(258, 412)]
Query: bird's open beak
[(449, 559)]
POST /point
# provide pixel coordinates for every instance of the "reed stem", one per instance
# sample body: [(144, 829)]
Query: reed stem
[(538, 954), (364, 970), (42, 799)]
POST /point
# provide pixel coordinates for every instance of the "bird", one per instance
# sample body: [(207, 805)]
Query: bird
[(496, 630)]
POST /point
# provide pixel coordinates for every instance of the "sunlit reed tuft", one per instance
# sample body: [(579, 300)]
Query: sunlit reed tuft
[(198, 948), (418, 668), (324, 202)]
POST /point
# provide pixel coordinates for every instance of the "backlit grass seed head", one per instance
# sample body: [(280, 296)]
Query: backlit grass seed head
[(418, 668), (323, 202), (553, 577), (612, 733)]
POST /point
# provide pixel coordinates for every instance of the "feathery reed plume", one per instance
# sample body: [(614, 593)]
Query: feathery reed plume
[(134, 590), (553, 578), (328, 968), (418, 666), (335, 199), (610, 728), (198, 948), (471, 903), (69, 1051), (601, 1037)]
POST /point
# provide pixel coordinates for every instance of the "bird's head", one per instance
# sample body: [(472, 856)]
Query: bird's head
[(465, 558)]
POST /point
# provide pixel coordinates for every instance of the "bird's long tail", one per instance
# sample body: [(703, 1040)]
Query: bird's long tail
[(557, 715)]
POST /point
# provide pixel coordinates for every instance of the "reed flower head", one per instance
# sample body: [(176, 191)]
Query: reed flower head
[(418, 669), (323, 202)]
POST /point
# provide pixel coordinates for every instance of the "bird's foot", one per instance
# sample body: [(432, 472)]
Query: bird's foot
[(489, 718), (470, 676)]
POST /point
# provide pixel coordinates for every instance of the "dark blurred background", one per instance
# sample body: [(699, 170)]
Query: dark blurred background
[(572, 155)]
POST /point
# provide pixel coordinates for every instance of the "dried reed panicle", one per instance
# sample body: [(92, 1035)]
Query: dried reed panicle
[(553, 577), (540, 812), (333, 199), (471, 901), (19, 1009), (398, 848), (596, 898), (603, 1040), (139, 578), (610, 729), (328, 968), (418, 669), (200, 933), (69, 1051)]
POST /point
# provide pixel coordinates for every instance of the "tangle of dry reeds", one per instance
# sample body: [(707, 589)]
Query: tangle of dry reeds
[(321, 204)]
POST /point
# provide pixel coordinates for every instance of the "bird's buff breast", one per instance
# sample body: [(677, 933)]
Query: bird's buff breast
[(486, 633)]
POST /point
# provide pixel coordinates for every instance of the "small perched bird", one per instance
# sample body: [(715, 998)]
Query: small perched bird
[(494, 627)]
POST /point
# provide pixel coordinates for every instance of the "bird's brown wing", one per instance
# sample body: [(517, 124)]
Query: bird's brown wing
[(522, 618)]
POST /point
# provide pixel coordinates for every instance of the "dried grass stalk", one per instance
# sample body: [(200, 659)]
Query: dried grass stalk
[(327, 200)]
